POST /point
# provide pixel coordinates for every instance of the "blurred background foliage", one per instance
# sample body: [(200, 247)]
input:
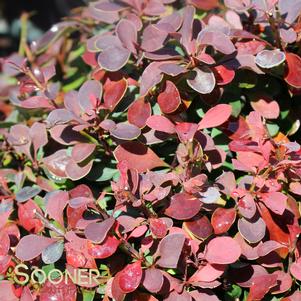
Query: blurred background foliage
[(44, 13)]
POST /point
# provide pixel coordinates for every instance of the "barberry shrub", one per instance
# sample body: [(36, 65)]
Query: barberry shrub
[(155, 142)]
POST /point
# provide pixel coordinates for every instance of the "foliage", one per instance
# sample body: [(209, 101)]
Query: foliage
[(155, 141)]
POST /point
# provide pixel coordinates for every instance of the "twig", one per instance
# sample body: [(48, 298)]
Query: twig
[(49, 225), (23, 38)]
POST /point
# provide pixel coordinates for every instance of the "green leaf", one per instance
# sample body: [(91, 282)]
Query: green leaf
[(236, 107), (273, 129), (88, 295)]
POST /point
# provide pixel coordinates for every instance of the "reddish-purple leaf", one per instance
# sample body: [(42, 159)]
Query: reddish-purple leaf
[(75, 171), (87, 91), (153, 38), (37, 245), (151, 76), (170, 249), (97, 232), (57, 162), (152, 280), (247, 206), (183, 206), (66, 135), (186, 30), (215, 116), (186, 131), (252, 231), (138, 156), (130, 277), (217, 40), (202, 80), (125, 131), (113, 58), (169, 100), (82, 151), (222, 250), (161, 124), (56, 202), (127, 34), (36, 102), (284, 282)]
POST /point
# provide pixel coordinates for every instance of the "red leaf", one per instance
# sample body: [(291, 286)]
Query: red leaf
[(260, 286), (138, 112), (293, 70), (276, 201), (114, 92), (138, 156), (208, 273), (61, 291), (170, 99), (204, 4), (199, 227), (183, 206), (276, 233), (215, 116), (161, 124), (222, 219), (27, 218), (130, 277), (158, 227), (224, 75), (222, 250), (6, 291), (104, 250)]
